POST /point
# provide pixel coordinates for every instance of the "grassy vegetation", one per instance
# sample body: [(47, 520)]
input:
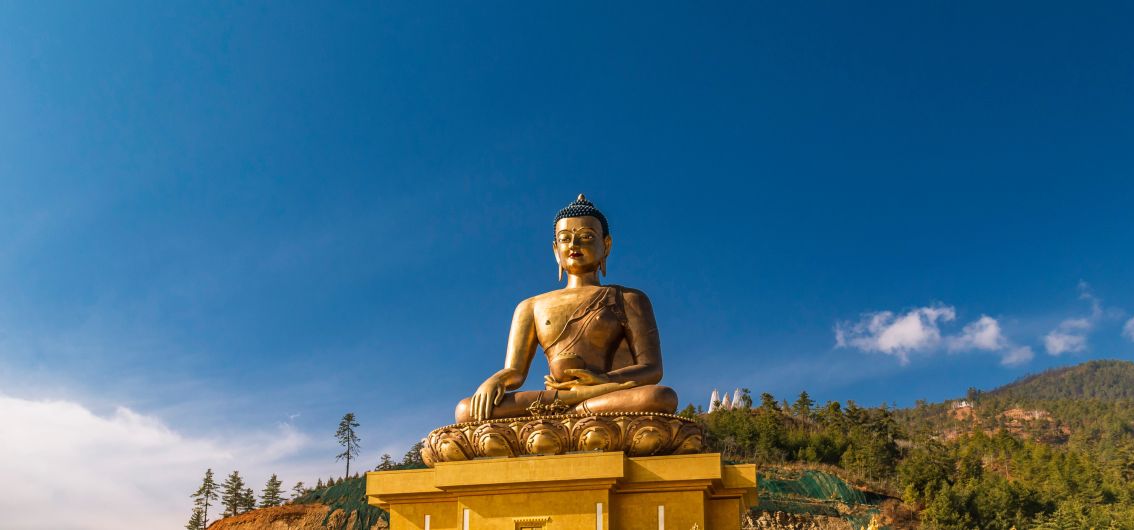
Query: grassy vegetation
[(348, 495)]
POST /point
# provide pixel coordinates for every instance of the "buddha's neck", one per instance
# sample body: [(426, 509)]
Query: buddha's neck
[(582, 280)]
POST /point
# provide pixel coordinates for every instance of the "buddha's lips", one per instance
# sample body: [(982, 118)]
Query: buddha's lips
[(575, 255)]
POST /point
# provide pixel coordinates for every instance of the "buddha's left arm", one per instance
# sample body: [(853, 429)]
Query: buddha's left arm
[(642, 337)]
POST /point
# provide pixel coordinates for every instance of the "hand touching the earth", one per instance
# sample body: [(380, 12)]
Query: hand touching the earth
[(488, 395)]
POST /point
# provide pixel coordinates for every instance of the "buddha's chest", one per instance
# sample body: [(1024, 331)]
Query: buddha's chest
[(560, 320)]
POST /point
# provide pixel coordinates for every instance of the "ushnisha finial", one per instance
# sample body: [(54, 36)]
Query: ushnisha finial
[(583, 208)]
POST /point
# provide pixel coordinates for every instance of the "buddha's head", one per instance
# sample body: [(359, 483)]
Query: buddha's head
[(582, 238)]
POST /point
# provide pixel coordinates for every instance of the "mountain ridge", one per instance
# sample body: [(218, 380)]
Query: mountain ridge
[(1104, 379)]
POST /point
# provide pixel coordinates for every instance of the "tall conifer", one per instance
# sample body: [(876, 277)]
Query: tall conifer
[(348, 439), (206, 493), (232, 494), (271, 496)]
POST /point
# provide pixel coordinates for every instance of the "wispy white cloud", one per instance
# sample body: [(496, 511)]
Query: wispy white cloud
[(1070, 336), (1058, 342), (919, 330), (981, 334), (984, 334), (66, 467), (1017, 356), (897, 335)]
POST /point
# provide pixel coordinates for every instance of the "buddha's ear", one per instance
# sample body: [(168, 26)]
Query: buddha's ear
[(607, 242), (558, 264)]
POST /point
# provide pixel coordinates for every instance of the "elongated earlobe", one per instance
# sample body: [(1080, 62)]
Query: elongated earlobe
[(607, 242), (560, 270)]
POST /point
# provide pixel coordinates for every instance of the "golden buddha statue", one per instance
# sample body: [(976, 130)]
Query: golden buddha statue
[(601, 342), (568, 456)]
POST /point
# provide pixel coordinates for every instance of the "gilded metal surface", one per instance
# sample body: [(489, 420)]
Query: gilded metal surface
[(636, 434), (539, 408), (601, 342)]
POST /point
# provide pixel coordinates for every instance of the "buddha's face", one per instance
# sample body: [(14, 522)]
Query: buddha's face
[(579, 244)]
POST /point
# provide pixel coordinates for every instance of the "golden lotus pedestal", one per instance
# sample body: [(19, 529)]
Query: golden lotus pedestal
[(575, 491), (634, 433)]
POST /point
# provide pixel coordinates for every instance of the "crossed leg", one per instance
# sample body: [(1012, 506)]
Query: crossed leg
[(647, 398)]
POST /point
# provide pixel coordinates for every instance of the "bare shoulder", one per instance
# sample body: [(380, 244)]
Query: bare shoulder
[(526, 306), (634, 297), (540, 300)]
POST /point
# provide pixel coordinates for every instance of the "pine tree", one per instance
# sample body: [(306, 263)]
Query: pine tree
[(802, 407), (412, 458), (206, 493), (297, 490), (271, 495), (232, 495), (319, 484), (196, 521), (768, 402), (347, 439), (247, 500), (386, 464)]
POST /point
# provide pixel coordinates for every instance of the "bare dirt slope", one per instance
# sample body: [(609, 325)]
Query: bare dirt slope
[(291, 517)]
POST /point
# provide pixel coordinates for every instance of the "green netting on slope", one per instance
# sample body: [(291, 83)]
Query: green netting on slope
[(812, 492), (349, 496), (809, 483)]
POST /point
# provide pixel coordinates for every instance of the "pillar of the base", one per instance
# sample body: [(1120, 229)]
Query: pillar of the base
[(601, 491)]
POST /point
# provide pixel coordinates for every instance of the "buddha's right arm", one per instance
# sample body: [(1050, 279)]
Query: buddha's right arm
[(521, 347), (522, 344)]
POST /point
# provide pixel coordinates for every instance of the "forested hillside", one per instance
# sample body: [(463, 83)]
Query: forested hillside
[(1054, 450)]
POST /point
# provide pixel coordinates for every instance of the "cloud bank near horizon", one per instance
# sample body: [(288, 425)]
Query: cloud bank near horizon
[(67, 467)]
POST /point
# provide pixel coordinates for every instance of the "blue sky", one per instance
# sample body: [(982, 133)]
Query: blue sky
[(240, 218)]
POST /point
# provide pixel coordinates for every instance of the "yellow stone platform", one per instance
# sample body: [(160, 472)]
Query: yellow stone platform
[(582, 491)]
